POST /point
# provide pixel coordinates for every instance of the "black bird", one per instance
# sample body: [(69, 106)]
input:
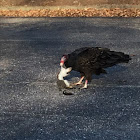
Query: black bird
[(92, 60)]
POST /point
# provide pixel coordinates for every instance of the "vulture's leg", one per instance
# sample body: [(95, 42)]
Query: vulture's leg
[(85, 85), (88, 77), (80, 82)]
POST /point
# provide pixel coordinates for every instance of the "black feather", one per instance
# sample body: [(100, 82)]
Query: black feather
[(93, 60), (67, 93)]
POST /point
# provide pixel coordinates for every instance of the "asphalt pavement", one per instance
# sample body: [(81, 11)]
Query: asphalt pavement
[(32, 107)]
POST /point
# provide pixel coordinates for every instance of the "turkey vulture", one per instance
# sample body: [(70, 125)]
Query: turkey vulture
[(92, 60)]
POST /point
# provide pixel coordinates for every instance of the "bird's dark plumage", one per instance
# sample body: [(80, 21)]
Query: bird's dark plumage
[(93, 60)]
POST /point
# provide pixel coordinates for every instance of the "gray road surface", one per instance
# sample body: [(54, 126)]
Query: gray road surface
[(32, 107)]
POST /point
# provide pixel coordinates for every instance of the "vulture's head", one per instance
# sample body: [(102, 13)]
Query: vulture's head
[(63, 60)]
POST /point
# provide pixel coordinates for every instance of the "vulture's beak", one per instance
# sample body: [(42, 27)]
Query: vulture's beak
[(61, 64)]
